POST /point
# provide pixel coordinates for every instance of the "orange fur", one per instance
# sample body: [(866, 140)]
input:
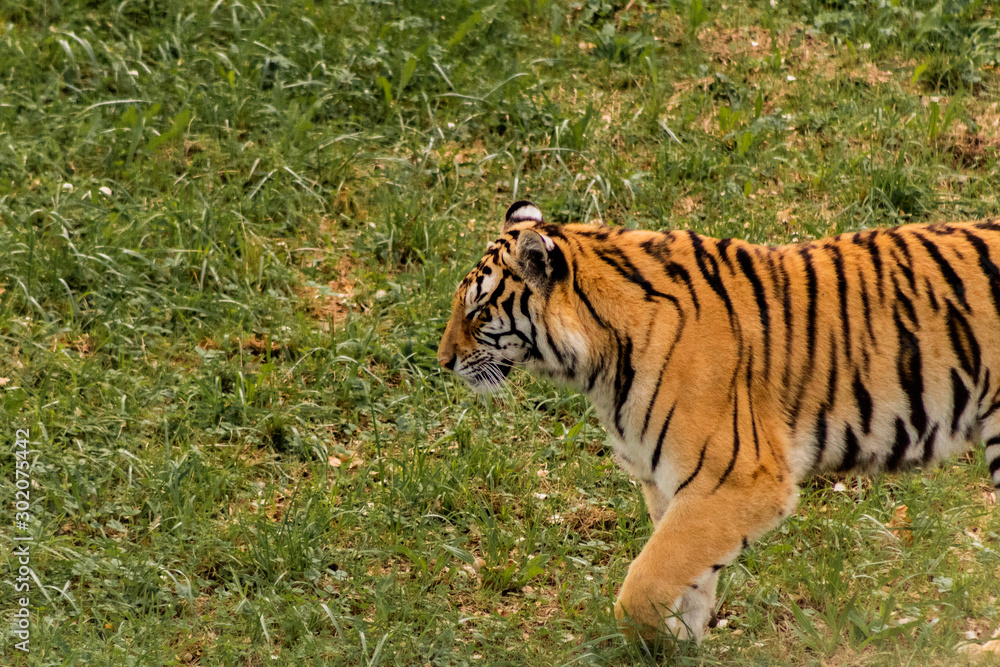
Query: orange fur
[(727, 372)]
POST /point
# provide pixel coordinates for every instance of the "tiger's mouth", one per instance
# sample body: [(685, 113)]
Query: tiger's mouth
[(490, 376)]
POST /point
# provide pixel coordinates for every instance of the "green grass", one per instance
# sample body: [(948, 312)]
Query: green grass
[(229, 235)]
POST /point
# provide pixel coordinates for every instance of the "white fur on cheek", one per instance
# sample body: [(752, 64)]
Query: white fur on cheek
[(575, 341)]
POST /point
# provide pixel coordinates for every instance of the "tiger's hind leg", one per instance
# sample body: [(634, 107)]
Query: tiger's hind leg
[(989, 430), (992, 444)]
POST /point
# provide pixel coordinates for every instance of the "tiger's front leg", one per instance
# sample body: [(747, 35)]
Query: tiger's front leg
[(656, 501), (670, 586)]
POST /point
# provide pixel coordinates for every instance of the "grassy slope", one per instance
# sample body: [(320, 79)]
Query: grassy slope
[(229, 234)]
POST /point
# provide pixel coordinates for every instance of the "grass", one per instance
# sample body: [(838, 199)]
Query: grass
[(230, 232)]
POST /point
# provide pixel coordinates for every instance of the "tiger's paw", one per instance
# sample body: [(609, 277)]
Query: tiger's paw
[(640, 611), (643, 611)]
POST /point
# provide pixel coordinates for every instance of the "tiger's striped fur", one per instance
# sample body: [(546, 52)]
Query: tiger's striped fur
[(726, 372)]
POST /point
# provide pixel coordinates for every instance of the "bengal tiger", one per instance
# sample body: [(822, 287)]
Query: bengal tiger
[(725, 373)]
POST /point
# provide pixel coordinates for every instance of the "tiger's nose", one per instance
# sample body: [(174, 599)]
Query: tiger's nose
[(447, 361)]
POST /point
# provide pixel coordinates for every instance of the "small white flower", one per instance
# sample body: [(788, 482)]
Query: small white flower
[(541, 496), (105, 190), (753, 44), (790, 78), (555, 518), (451, 126), (68, 187), (839, 486), (380, 294)]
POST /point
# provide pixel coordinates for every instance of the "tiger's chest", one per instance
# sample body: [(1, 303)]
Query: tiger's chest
[(628, 457)]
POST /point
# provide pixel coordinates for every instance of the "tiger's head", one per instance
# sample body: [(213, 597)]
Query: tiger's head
[(502, 310)]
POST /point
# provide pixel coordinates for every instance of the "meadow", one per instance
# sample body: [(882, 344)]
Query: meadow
[(229, 236)]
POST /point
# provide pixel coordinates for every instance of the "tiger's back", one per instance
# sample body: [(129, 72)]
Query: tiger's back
[(726, 372)]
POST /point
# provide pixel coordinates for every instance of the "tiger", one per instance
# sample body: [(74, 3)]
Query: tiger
[(726, 373)]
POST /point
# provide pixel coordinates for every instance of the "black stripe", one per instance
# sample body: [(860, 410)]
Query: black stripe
[(736, 443), (851, 449), (993, 408), (682, 323), (899, 446), (722, 247), (963, 341), (697, 469), (811, 296), (950, 277), (867, 310), (863, 399), (660, 251), (677, 272), (995, 440), (986, 389), (583, 297), (904, 301), (845, 320), (906, 268), (987, 266), (555, 349), (931, 295), (652, 404), (994, 465), (942, 229), (869, 242), (746, 265), (911, 379), (618, 261), (623, 381), (710, 272), (786, 307), (831, 385), (533, 351), (820, 431), (960, 400), (753, 421), (659, 441), (599, 368), (929, 442)]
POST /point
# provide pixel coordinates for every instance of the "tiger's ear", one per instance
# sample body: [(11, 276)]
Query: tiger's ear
[(541, 261), (521, 211)]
